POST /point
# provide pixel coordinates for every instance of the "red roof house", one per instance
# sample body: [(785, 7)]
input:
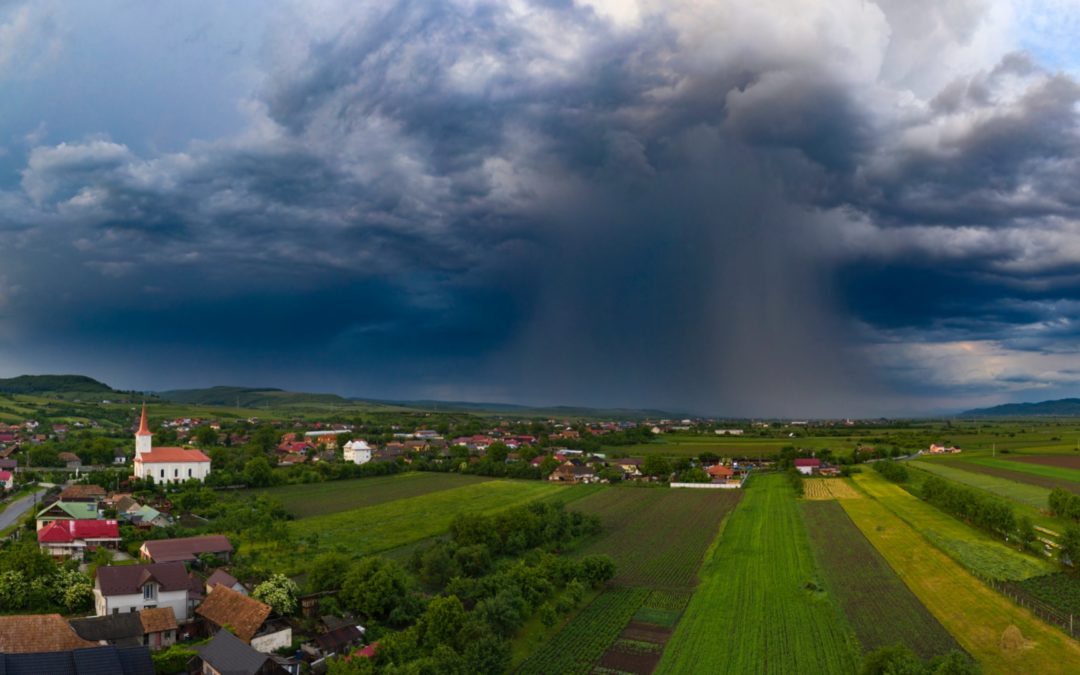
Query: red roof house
[(807, 466), (70, 538)]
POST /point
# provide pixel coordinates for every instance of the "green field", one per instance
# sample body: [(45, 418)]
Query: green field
[(382, 527), (1058, 473), (657, 537), (971, 611), (880, 608), (970, 547), (316, 499), (753, 612), (1023, 493)]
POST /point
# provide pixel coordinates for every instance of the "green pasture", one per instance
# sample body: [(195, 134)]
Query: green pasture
[(1059, 473), (317, 499), (381, 527), (753, 611)]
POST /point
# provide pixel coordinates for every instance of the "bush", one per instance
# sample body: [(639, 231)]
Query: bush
[(894, 471)]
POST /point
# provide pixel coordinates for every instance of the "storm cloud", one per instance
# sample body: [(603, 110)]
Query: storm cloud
[(740, 208)]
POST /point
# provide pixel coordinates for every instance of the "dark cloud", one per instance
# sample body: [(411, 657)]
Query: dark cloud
[(706, 207)]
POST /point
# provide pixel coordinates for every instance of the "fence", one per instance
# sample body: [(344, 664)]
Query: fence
[(1066, 622)]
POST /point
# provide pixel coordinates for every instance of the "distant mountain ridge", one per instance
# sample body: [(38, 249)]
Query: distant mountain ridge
[(1062, 407), (249, 397), (53, 384)]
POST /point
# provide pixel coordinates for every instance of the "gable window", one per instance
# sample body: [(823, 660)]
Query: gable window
[(149, 592)]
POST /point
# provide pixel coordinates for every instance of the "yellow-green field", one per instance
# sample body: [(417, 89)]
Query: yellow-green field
[(972, 612)]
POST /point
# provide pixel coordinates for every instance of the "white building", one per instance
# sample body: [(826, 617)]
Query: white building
[(729, 432), (119, 589), (357, 452), (167, 465)]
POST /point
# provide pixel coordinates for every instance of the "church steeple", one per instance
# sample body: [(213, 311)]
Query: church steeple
[(142, 436)]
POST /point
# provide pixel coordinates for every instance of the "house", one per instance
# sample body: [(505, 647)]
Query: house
[(936, 449), (158, 626), (37, 633), (568, 472), (83, 493), (807, 466), (246, 617), (226, 655), (337, 641), (121, 630), (46, 643), (327, 439), (147, 516), (227, 580), (7, 464), (119, 457), (357, 452), (70, 459), (630, 466), (66, 511), (166, 465), (186, 549), (72, 538), (728, 432), (719, 472), (130, 588), (7, 480)]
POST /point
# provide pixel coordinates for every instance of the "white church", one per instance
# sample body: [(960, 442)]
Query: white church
[(167, 465)]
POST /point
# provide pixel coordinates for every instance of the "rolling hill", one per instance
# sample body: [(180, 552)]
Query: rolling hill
[(53, 384), (1064, 407)]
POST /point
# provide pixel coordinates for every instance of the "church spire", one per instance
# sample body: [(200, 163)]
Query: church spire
[(144, 428), (143, 442)]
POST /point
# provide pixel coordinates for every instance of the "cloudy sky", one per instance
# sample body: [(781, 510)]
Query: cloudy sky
[(740, 207)]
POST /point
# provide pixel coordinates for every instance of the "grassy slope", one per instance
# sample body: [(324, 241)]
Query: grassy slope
[(372, 529), (752, 613), (879, 607), (970, 547), (316, 499), (974, 614), (1022, 493)]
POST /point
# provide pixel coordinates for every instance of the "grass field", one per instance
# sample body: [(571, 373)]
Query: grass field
[(381, 527), (880, 608), (752, 612), (970, 547), (657, 537), (1023, 493), (316, 499), (1057, 473), (973, 613)]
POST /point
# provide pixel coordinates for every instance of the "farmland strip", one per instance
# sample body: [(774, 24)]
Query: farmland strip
[(752, 612), (879, 607), (973, 613)]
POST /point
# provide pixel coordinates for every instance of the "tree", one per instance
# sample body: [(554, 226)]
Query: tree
[(1069, 550), (374, 587), (327, 571), (596, 570), (14, 591), (656, 466), (441, 621), (1025, 530), (206, 436), (257, 472), (894, 660), (280, 592)]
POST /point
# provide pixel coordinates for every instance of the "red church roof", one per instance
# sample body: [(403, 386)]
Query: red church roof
[(159, 455)]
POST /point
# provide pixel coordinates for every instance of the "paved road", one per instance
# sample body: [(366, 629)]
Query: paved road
[(17, 508)]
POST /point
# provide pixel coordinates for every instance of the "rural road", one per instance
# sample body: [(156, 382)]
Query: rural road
[(17, 508)]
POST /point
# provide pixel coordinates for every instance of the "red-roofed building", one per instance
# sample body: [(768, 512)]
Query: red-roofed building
[(71, 538), (807, 466), (7, 479), (719, 471)]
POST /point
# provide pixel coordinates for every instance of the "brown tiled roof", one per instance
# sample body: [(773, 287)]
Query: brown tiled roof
[(129, 579), (222, 577), (189, 548), (226, 607), (157, 619), (82, 492), (34, 633)]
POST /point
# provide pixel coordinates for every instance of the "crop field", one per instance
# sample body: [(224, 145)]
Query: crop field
[(1060, 461), (585, 639), (971, 611), (753, 612), (1053, 472), (317, 499), (381, 527), (1060, 591), (1018, 476), (880, 608), (657, 537), (970, 547), (829, 488)]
